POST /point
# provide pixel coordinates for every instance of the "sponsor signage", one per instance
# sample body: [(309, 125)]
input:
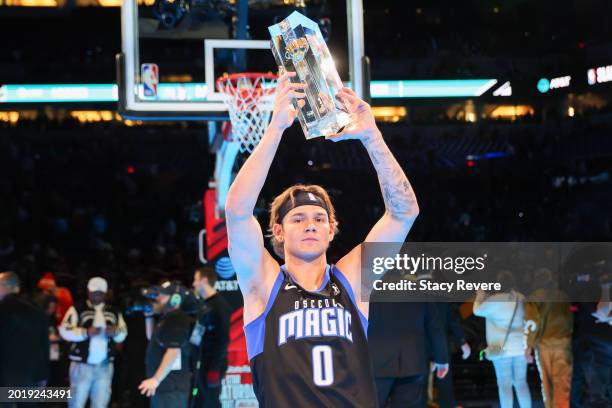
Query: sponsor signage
[(599, 75), (545, 84)]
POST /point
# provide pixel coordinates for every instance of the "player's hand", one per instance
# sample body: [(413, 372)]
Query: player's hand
[(467, 350), (148, 387), (363, 126), (284, 112)]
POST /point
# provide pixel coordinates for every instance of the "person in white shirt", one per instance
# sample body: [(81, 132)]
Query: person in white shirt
[(94, 328), (506, 340)]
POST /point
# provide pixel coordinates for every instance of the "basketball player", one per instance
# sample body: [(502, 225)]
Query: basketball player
[(305, 321)]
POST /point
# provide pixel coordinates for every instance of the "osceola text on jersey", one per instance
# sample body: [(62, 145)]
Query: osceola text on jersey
[(315, 318)]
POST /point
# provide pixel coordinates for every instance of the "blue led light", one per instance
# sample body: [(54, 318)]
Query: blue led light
[(543, 85), (197, 92), (49, 93)]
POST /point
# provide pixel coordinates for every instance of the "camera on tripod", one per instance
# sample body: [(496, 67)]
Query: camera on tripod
[(145, 298)]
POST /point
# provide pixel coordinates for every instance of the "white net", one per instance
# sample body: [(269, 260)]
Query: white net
[(249, 99)]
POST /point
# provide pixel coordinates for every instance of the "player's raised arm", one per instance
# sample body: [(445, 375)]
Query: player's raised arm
[(246, 246), (401, 208)]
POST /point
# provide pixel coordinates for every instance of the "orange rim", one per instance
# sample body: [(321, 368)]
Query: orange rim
[(233, 78)]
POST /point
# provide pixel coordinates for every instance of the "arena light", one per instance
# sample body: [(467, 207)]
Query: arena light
[(511, 111), (110, 3), (94, 116), (62, 3), (390, 114), (486, 156), (30, 3), (13, 117), (9, 117)]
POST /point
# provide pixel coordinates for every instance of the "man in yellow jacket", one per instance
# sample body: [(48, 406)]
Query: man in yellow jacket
[(550, 310)]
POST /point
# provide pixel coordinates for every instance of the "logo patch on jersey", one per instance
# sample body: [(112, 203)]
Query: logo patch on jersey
[(290, 286), (315, 322), (335, 289)]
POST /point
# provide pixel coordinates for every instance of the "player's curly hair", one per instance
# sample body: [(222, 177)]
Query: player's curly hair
[(290, 194)]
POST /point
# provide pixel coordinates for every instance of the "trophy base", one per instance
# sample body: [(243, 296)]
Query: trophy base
[(330, 125)]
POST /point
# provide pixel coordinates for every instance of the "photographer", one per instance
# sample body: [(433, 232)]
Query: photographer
[(167, 355), (211, 337), (94, 328)]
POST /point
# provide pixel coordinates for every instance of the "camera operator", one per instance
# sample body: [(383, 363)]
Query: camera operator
[(167, 355), (211, 337)]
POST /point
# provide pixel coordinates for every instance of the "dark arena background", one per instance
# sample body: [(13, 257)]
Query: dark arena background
[(499, 112)]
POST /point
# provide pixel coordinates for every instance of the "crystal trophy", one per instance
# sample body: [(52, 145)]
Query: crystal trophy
[(298, 46)]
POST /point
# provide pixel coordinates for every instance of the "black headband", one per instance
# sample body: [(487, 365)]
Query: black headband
[(301, 198)]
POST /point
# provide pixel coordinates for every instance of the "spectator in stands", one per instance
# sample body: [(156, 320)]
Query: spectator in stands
[(552, 340), (24, 341), (506, 342), (48, 303), (94, 328), (211, 337), (64, 297), (593, 342), (451, 324), (401, 349)]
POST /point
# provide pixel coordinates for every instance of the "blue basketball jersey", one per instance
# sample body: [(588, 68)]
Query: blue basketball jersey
[(309, 349)]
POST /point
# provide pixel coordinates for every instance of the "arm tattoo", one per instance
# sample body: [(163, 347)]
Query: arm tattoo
[(397, 192)]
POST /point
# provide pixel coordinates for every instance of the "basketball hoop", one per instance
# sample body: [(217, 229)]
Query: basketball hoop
[(249, 99)]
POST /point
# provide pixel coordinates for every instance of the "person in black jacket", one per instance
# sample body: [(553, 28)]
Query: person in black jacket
[(592, 338), (57, 350), (451, 324), (399, 336), (24, 339), (167, 356), (211, 337)]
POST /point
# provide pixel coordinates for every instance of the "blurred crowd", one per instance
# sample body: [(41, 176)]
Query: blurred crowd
[(125, 204)]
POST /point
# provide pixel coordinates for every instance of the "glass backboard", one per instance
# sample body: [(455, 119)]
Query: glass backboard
[(174, 50)]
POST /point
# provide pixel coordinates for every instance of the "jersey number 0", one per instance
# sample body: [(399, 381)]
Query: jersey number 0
[(322, 366)]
